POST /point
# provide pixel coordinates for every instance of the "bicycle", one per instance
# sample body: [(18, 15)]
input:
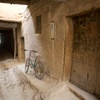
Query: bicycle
[(36, 65)]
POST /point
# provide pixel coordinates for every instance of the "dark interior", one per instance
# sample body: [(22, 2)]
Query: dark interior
[(6, 44)]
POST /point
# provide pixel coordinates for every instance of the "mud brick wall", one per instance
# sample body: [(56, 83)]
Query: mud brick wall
[(51, 50), (56, 53), (20, 44)]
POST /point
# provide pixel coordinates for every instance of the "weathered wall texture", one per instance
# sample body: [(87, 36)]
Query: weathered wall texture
[(85, 63), (73, 7), (50, 50), (20, 44), (56, 53)]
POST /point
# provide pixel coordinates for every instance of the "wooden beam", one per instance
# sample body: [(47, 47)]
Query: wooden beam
[(59, 0), (15, 1), (14, 35), (8, 25)]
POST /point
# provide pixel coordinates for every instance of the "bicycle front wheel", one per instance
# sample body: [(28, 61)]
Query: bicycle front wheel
[(39, 70)]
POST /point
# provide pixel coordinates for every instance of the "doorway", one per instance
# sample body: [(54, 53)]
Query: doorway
[(22, 48), (85, 72), (6, 44)]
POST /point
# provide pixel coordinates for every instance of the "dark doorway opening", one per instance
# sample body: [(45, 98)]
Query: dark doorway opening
[(6, 44), (23, 53)]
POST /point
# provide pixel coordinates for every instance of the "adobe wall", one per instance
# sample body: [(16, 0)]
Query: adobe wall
[(56, 53), (73, 8), (50, 50), (20, 44)]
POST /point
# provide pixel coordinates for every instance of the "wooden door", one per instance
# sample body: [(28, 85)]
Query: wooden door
[(85, 72), (97, 64)]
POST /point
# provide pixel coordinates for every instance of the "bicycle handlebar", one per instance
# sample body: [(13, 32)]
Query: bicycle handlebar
[(30, 50)]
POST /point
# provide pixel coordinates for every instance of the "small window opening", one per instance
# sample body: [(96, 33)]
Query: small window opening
[(38, 24)]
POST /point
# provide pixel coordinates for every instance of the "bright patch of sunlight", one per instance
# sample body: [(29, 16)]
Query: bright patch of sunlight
[(12, 12), (15, 8)]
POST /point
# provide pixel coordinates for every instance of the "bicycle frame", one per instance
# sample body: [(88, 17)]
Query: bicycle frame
[(33, 65), (36, 65)]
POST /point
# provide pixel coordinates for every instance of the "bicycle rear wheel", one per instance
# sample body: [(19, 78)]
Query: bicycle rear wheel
[(39, 70), (27, 65)]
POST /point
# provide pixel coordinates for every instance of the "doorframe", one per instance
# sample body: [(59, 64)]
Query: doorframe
[(13, 26), (15, 42), (68, 49)]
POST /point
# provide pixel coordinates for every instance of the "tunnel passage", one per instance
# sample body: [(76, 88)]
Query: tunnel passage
[(6, 44)]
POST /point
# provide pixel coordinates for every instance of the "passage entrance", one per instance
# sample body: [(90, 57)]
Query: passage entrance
[(85, 71), (6, 44)]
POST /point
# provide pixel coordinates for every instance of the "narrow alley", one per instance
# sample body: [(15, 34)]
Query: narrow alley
[(49, 50)]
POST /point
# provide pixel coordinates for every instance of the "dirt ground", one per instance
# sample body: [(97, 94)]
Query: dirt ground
[(15, 84)]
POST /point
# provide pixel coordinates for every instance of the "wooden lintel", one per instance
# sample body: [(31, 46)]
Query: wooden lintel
[(15, 1), (14, 35), (59, 0), (8, 25)]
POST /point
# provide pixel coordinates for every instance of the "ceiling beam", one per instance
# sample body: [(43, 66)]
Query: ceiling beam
[(15, 1), (60, 0), (8, 25), (24, 1)]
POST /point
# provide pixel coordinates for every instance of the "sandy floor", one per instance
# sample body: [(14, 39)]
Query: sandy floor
[(15, 84)]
